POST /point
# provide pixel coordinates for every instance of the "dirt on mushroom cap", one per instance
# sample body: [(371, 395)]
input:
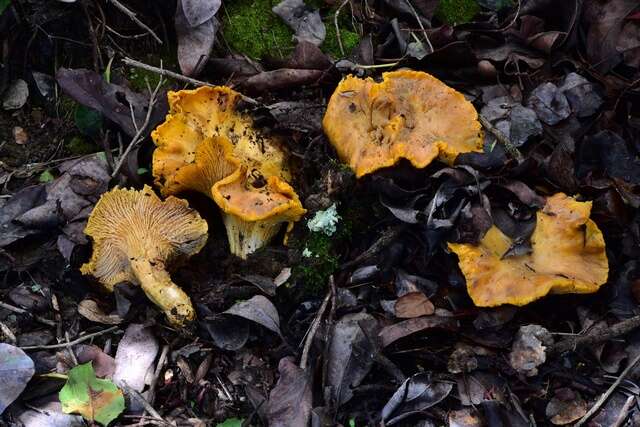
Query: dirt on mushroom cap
[(568, 256), (409, 115)]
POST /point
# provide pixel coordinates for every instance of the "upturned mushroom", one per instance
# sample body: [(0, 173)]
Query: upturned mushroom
[(408, 115), (207, 145), (567, 256), (136, 237)]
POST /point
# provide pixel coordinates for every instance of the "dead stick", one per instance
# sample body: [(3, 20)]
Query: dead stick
[(74, 342), (22, 311), (176, 76), (600, 335), (163, 72), (608, 393), (135, 19), (508, 145)]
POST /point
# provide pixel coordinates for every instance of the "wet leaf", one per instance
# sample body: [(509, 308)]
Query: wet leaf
[(135, 355), (606, 152), (351, 354), (199, 11), (604, 20), (227, 332), (282, 78), (565, 407), (415, 395), (264, 283), (47, 412), (290, 400), (304, 20), (390, 334), (90, 310), (413, 304), (259, 310), (95, 399), (16, 369), (113, 101), (194, 41), (549, 103), (581, 94)]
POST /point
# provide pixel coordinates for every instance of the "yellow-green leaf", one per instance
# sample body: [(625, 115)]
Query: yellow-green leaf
[(95, 399)]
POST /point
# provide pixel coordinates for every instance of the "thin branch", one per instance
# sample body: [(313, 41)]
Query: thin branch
[(335, 23), (142, 401), (601, 401), (597, 336), (134, 18), (163, 72), (508, 145), (424, 31), (139, 136), (176, 76), (387, 237), (23, 311), (74, 342)]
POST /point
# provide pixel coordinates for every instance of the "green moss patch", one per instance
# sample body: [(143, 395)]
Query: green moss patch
[(454, 12), (251, 28)]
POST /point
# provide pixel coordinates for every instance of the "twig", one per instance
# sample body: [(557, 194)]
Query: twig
[(608, 393), (135, 19), (139, 136), (74, 342), (383, 241), (163, 72), (597, 336), (97, 59), (70, 349), (424, 31), (22, 311), (335, 23), (176, 76), (151, 395), (312, 332), (508, 145), (141, 400)]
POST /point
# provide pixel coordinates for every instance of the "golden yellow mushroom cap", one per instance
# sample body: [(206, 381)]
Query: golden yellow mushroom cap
[(409, 115), (207, 145), (136, 236), (568, 256)]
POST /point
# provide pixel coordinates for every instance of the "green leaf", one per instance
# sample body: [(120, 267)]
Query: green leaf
[(88, 120), (142, 171), (3, 5), (231, 422), (95, 399), (46, 176)]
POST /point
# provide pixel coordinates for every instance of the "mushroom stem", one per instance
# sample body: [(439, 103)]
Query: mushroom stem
[(246, 237), (157, 284)]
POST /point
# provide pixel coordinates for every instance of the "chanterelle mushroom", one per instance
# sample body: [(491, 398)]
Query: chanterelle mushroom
[(207, 145), (136, 236), (409, 115), (567, 256)]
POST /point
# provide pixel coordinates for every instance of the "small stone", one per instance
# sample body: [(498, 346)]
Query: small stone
[(20, 135)]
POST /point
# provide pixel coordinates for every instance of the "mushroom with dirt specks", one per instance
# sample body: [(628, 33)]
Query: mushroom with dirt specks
[(136, 237), (409, 115), (207, 145), (567, 256)]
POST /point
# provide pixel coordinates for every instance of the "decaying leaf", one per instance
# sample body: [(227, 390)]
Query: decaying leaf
[(290, 401), (304, 20), (413, 304), (416, 394), (196, 29), (90, 310), (95, 399), (16, 369), (135, 355), (259, 310), (114, 101), (565, 407), (351, 354), (392, 333)]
